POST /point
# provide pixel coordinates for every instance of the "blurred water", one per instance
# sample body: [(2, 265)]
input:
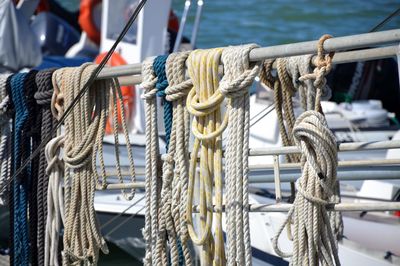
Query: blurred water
[(229, 22)]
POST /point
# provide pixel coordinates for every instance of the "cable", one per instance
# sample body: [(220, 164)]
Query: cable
[(386, 20), (80, 94)]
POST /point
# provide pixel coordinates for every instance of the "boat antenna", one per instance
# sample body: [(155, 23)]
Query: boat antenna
[(80, 94)]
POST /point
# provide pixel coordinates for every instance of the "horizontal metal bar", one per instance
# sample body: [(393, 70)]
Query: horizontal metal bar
[(343, 207), (120, 186), (351, 163), (302, 48), (347, 174), (353, 146), (330, 45)]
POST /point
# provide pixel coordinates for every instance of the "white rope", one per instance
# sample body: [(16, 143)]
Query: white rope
[(84, 129), (314, 241), (238, 77), (55, 200), (5, 140), (152, 186)]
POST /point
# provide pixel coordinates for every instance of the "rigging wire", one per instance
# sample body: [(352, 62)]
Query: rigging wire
[(80, 94)]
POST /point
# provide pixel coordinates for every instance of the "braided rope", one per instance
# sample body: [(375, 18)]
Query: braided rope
[(152, 186), (20, 193), (238, 77), (5, 139), (204, 103), (84, 129), (313, 237), (43, 99), (177, 93)]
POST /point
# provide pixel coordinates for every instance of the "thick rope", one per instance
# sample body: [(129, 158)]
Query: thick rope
[(43, 99), (84, 131), (152, 182), (313, 241), (5, 139), (238, 77), (31, 132), (204, 103), (177, 92), (20, 184)]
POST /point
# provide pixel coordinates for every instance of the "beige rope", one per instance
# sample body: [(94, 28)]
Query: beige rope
[(152, 182), (84, 129), (238, 77)]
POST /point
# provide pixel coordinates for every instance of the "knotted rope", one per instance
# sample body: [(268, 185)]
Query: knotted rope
[(174, 189), (152, 182), (177, 92), (43, 99), (204, 103), (84, 131), (239, 74), (20, 184), (314, 241), (5, 139)]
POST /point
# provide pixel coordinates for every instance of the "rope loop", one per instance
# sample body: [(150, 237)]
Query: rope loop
[(176, 72)]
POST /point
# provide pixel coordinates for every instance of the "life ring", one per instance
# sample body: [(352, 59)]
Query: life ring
[(86, 20), (128, 92)]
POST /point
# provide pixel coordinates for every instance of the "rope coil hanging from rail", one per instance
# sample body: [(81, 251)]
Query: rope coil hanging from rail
[(314, 240)]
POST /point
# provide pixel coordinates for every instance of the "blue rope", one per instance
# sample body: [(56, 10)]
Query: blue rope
[(20, 184), (161, 85)]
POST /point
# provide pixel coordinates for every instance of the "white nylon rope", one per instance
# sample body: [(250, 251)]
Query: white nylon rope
[(5, 139), (152, 186), (238, 77)]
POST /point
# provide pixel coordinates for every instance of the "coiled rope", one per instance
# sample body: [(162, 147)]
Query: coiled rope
[(5, 139), (152, 182), (84, 131), (239, 74), (204, 103), (178, 154), (314, 241), (43, 99), (20, 184)]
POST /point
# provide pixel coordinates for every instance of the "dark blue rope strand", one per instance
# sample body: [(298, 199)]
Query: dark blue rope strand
[(20, 200), (161, 85)]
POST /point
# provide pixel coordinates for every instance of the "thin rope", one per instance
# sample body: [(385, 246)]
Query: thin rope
[(239, 74)]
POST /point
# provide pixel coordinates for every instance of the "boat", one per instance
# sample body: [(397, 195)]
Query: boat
[(122, 221)]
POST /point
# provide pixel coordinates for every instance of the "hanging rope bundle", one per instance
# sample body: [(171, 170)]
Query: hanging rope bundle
[(152, 182), (5, 139), (239, 74), (178, 155), (84, 131), (43, 97), (314, 241), (20, 184), (204, 103)]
